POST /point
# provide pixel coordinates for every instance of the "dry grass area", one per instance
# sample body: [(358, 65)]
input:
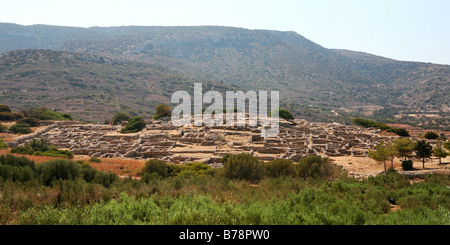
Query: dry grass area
[(121, 167)]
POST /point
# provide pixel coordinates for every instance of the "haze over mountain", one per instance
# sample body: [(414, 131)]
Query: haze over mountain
[(305, 73)]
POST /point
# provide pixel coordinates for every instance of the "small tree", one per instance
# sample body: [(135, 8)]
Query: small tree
[(423, 150), (283, 113), (404, 147), (120, 117), (440, 152), (431, 135), (391, 153), (162, 110), (380, 154)]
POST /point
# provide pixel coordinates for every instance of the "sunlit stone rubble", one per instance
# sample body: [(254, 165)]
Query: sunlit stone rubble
[(162, 140)]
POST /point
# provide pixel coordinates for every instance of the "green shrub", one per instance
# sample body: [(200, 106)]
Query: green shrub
[(87, 172), (399, 131), (407, 165), (3, 128), (135, 124), (120, 117), (390, 180), (4, 108), (198, 167), (3, 145), (155, 166), (23, 149), (280, 168), (16, 168), (42, 147), (283, 113), (17, 161), (58, 169), (10, 116), (431, 135), (447, 145), (104, 179), (43, 113), (244, 167), (316, 167), (20, 128), (54, 152), (33, 122), (94, 159), (20, 174), (162, 110)]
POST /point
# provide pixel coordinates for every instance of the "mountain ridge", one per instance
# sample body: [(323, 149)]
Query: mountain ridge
[(305, 73)]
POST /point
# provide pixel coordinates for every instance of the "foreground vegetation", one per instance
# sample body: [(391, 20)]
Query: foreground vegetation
[(312, 191)]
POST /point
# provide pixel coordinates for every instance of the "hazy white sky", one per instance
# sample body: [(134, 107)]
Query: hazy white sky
[(415, 30)]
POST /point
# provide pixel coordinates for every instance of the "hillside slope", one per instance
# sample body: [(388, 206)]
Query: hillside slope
[(305, 73), (87, 86)]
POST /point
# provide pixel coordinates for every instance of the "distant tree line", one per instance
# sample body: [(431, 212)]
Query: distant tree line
[(372, 124), (404, 148)]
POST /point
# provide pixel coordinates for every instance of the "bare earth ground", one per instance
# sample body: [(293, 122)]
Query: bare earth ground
[(365, 166)]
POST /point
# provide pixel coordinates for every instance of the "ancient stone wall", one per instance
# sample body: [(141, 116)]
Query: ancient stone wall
[(161, 140)]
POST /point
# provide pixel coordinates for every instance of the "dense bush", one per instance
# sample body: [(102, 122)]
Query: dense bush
[(155, 166), (407, 165), (16, 161), (3, 145), (5, 108), (134, 125), (33, 122), (43, 113), (20, 128), (94, 159), (316, 167), (3, 128), (16, 168), (390, 180), (120, 117), (21, 174), (10, 116), (41, 147), (23, 149), (58, 169), (244, 167), (280, 168), (431, 135), (399, 131), (104, 179), (162, 110), (199, 199), (283, 113)]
